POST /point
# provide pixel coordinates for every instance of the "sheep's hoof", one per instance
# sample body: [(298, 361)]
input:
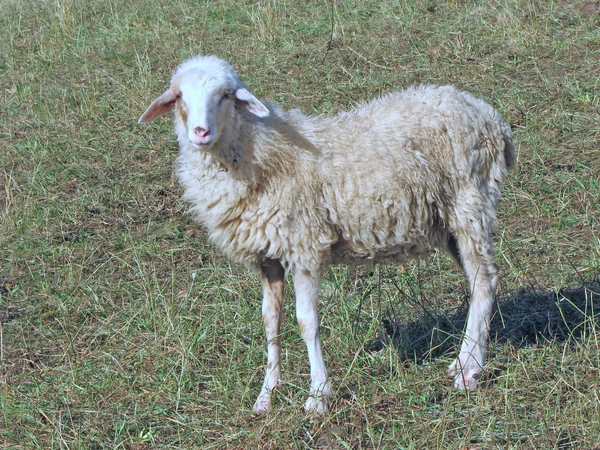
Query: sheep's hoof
[(262, 404), (466, 377), (316, 406)]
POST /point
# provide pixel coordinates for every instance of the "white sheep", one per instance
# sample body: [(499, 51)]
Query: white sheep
[(394, 178)]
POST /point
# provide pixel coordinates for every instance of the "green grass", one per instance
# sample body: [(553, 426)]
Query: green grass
[(121, 328)]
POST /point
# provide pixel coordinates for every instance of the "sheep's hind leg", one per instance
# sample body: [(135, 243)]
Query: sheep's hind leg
[(273, 283), (307, 292), (476, 254)]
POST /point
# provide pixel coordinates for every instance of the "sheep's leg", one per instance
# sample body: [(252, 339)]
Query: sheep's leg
[(307, 293), (273, 283), (476, 253)]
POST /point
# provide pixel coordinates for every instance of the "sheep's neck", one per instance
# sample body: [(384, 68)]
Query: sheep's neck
[(254, 151)]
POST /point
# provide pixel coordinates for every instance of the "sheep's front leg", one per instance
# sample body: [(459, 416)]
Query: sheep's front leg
[(272, 274), (307, 293)]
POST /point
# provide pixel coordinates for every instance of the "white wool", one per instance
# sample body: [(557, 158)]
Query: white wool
[(386, 178)]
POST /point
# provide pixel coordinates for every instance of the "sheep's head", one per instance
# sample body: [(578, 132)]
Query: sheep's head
[(204, 92)]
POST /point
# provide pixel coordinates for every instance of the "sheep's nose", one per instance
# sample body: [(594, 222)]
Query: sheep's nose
[(201, 133)]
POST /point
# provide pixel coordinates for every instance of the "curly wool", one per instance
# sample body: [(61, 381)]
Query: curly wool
[(388, 180)]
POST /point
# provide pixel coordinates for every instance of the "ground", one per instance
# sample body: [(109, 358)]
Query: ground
[(120, 327)]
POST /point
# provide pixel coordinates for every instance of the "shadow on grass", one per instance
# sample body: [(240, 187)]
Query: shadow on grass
[(521, 318)]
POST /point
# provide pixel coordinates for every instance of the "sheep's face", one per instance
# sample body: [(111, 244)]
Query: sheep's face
[(205, 103)]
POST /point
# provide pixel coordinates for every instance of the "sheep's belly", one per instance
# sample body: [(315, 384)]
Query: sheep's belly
[(345, 252)]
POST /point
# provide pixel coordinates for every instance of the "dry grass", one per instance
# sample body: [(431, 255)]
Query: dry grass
[(121, 328)]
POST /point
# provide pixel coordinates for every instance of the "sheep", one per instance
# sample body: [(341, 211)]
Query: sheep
[(400, 176)]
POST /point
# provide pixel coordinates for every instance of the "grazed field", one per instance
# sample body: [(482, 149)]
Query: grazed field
[(121, 328)]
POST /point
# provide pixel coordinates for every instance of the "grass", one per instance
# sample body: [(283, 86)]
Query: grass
[(121, 328)]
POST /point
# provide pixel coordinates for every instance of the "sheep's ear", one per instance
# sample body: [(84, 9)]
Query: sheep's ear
[(251, 103), (158, 107)]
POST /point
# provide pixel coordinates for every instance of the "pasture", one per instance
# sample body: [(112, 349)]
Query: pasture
[(121, 328)]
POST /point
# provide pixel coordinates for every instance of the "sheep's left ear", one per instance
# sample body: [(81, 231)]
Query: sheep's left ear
[(251, 103)]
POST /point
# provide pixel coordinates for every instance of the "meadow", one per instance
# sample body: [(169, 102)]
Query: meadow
[(121, 328)]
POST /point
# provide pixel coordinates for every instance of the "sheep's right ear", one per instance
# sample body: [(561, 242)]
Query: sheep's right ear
[(158, 107), (251, 103)]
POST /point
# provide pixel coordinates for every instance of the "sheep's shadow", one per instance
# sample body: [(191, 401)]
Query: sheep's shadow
[(522, 318)]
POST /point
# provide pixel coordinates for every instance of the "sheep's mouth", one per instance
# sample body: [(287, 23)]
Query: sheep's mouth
[(202, 145)]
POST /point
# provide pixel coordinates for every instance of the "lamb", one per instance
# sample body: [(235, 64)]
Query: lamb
[(400, 176)]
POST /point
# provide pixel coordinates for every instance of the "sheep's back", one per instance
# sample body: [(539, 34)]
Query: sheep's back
[(398, 166)]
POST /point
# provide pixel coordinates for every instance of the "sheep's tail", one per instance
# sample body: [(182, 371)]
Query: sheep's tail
[(510, 158)]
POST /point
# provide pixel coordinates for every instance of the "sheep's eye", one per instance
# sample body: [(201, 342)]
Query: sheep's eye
[(227, 95)]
